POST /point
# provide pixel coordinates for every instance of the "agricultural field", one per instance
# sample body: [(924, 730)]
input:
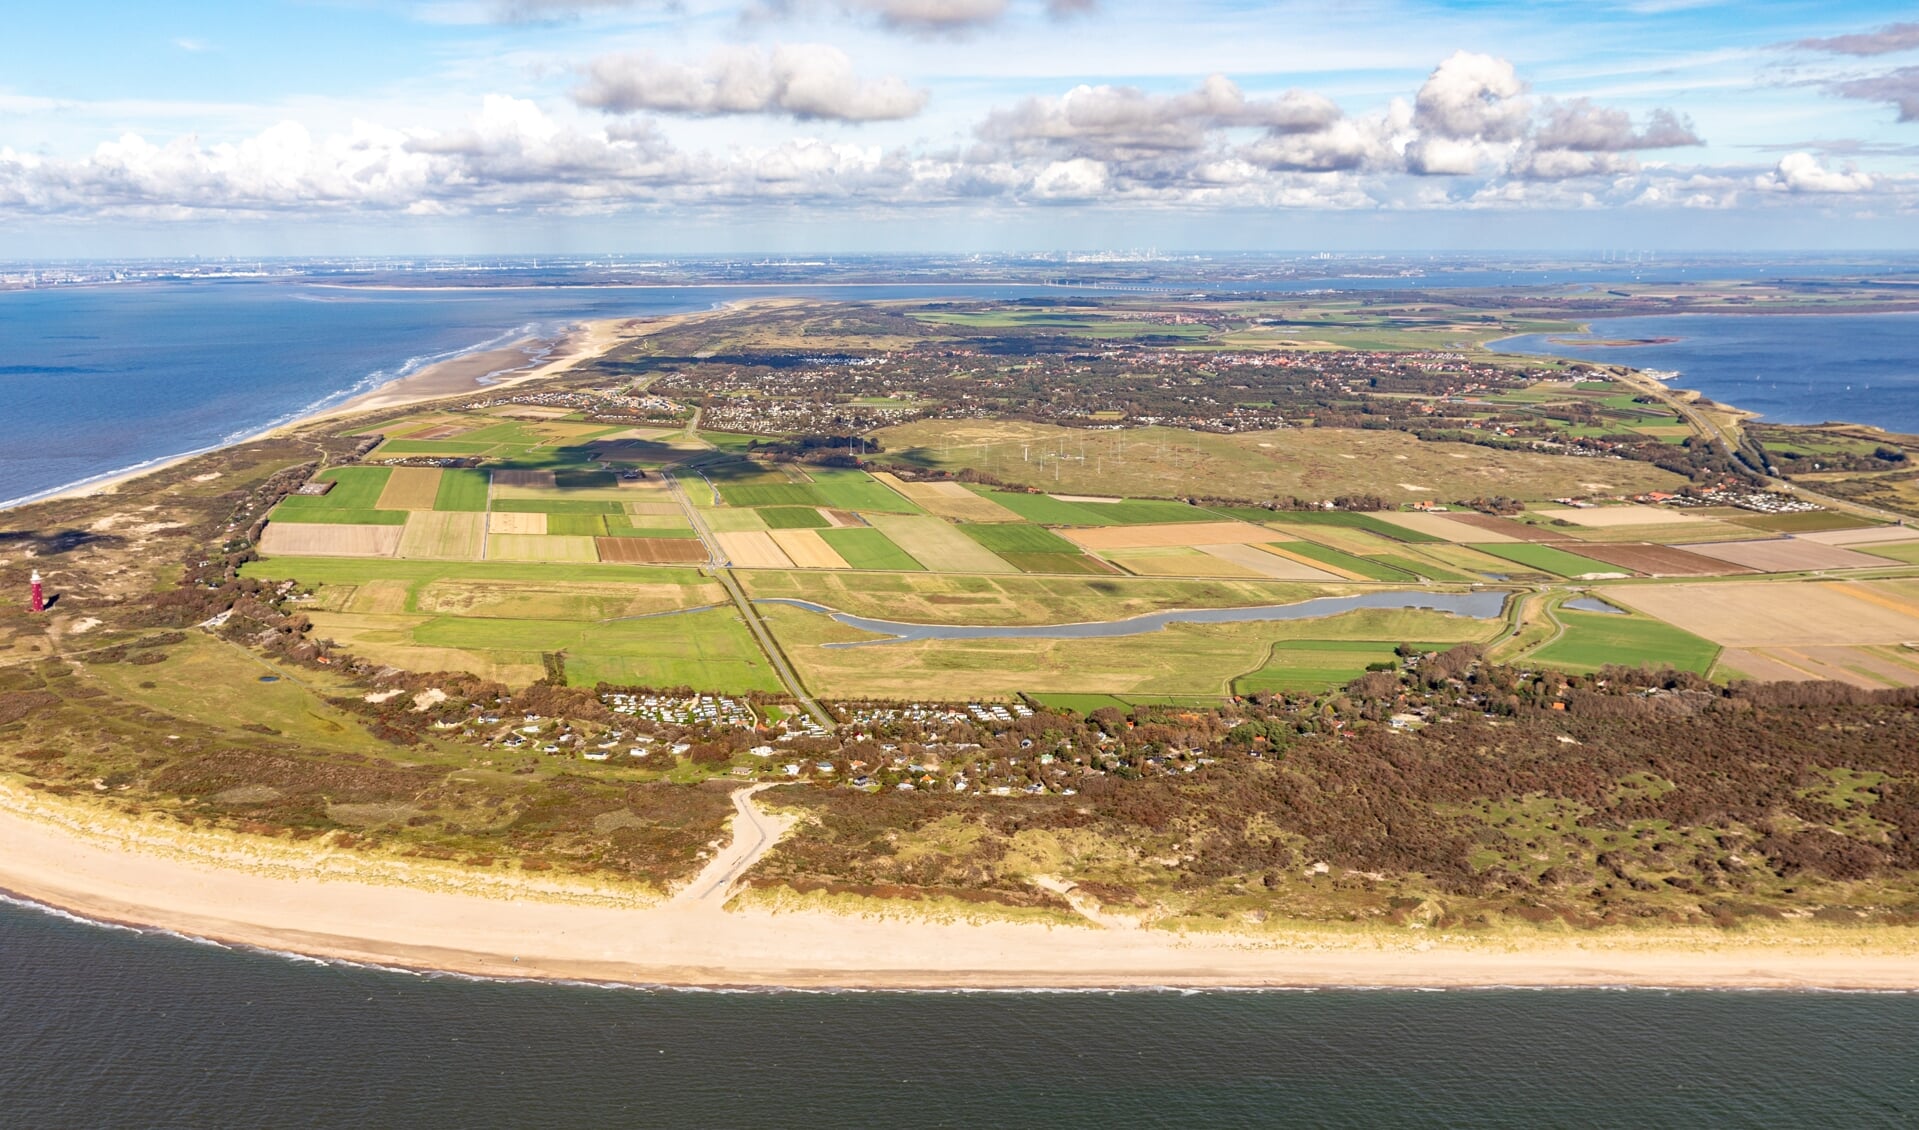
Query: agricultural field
[(856, 490), (1904, 552), (1302, 462), (1783, 613), (294, 539), (1315, 665), (1658, 560), (1592, 640), (1278, 562), (1548, 559), (1192, 660), (448, 535), (938, 545), (1107, 539), (867, 548), (931, 598), (411, 488), (461, 490), (1869, 667), (1785, 555), (500, 618)]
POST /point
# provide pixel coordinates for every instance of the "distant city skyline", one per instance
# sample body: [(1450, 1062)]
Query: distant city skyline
[(419, 127)]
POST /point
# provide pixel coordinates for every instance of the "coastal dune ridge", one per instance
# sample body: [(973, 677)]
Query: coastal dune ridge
[(330, 904)]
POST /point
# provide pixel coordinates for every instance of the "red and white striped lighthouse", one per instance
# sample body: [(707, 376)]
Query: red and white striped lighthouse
[(39, 600)]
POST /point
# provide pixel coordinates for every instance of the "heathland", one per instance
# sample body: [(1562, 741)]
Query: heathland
[(538, 631)]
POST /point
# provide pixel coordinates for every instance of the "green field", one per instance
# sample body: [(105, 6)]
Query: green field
[(367, 570), (1347, 518), (1907, 552), (649, 526), (1050, 511), (1425, 569), (336, 517), (1594, 639), (738, 442), (1012, 537), (1546, 559), (1056, 563), (580, 525), (709, 650), (461, 490), (864, 548), (1371, 567), (1015, 598), (769, 494), (856, 490), (355, 488), (1315, 665), (433, 447), (1806, 522), (792, 518), (1083, 703), (1183, 659)]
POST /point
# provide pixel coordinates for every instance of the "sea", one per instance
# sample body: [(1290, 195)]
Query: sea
[(108, 1026), (99, 380), (1791, 369), (104, 1026), (96, 381)]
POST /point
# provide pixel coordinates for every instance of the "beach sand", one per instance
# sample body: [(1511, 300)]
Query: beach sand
[(346, 905), (488, 370)]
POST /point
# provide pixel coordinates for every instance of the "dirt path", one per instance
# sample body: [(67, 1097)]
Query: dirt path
[(755, 832), (1085, 907)]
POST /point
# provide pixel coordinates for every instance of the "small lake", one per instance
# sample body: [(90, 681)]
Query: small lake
[(1477, 605), (1593, 604)]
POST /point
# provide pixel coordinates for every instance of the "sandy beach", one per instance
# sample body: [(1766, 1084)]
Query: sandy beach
[(340, 904), (503, 368)]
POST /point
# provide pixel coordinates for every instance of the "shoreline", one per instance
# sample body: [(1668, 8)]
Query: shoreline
[(528, 359), (331, 904), (435, 374)]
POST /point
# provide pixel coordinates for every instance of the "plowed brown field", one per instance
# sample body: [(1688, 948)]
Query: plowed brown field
[(651, 551)]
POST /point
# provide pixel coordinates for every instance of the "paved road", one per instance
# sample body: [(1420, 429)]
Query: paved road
[(748, 612), (755, 832)]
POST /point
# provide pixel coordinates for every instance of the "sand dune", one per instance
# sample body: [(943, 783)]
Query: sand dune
[(348, 905)]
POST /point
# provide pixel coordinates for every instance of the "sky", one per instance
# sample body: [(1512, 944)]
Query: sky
[(303, 127)]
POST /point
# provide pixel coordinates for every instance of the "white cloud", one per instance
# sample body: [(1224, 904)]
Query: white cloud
[(1459, 143), (1105, 121), (935, 15), (1582, 127), (1802, 172), (1897, 88), (1880, 41), (1472, 98), (1078, 179), (1468, 113), (797, 80)]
